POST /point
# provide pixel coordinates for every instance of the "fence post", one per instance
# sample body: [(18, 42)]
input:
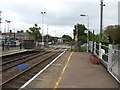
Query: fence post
[(91, 47), (119, 63), (109, 57), (87, 44), (94, 47), (100, 53)]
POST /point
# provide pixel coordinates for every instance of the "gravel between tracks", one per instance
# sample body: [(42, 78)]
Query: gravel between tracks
[(16, 83), (11, 63), (14, 56), (12, 71)]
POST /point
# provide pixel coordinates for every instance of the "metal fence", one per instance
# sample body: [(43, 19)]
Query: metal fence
[(110, 57)]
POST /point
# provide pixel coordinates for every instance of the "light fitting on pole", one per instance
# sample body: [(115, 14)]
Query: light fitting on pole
[(8, 21), (0, 16), (82, 15), (43, 12)]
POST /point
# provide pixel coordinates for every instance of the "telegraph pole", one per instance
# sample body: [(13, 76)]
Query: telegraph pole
[(101, 18)]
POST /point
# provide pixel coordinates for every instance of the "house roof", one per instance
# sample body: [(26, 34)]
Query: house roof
[(6, 33), (20, 34)]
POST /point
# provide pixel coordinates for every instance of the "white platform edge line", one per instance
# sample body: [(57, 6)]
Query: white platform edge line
[(23, 86)]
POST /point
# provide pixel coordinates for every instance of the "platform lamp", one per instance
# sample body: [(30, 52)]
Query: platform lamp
[(43, 13), (8, 22), (87, 31), (0, 20)]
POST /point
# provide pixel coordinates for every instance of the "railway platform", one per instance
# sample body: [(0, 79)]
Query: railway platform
[(11, 51), (73, 70)]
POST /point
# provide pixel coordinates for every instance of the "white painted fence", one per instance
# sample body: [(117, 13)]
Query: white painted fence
[(110, 57)]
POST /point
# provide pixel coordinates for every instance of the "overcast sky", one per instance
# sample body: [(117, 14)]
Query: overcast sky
[(61, 15)]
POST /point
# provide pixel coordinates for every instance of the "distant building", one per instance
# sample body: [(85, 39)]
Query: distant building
[(21, 36), (15, 36), (4, 37), (60, 40)]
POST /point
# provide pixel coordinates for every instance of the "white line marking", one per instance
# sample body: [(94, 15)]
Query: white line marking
[(23, 86)]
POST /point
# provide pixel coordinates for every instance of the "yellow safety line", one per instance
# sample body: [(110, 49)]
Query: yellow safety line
[(66, 63), (8, 51), (57, 83)]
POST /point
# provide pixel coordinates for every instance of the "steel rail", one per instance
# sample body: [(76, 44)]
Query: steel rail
[(25, 60), (7, 81), (19, 58)]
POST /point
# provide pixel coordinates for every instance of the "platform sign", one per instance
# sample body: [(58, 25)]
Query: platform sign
[(36, 44), (22, 66), (76, 37)]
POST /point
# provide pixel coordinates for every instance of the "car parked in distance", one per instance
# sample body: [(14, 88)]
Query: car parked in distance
[(13, 44), (49, 43), (41, 43)]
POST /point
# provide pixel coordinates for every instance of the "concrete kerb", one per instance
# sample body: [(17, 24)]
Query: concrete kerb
[(20, 51)]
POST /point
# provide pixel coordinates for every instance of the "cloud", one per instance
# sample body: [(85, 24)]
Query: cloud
[(61, 15)]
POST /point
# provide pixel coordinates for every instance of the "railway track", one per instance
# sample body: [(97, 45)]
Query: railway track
[(12, 63), (17, 55), (10, 71), (8, 60), (20, 78)]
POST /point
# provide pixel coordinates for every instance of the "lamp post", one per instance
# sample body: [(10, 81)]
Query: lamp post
[(47, 34), (87, 18), (8, 22), (47, 45), (0, 20), (5, 29), (43, 26), (87, 31), (8, 33), (5, 26), (101, 17)]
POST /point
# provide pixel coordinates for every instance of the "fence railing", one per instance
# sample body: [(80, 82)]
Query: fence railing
[(110, 57)]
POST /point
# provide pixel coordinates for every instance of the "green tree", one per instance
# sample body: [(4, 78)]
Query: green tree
[(34, 31), (90, 36), (50, 38), (67, 38), (113, 32), (104, 40), (74, 31), (84, 39), (96, 38), (79, 29)]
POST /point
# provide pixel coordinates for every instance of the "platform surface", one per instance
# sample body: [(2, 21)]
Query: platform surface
[(80, 72)]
